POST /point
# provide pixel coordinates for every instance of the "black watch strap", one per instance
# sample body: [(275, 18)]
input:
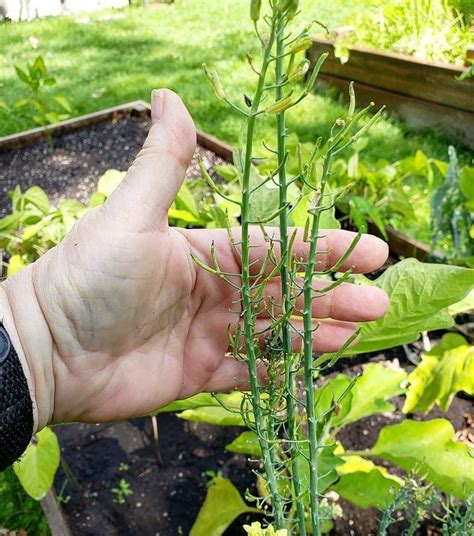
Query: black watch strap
[(16, 408)]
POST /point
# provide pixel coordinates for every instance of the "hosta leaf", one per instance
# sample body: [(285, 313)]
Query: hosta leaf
[(365, 484), (443, 371), (245, 443), (419, 297), (428, 449), (222, 505), (38, 465)]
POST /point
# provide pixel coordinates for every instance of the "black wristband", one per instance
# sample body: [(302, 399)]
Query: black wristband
[(16, 408)]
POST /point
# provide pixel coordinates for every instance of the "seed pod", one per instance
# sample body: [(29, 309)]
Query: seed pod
[(255, 6), (214, 79), (303, 43), (280, 105), (298, 72)]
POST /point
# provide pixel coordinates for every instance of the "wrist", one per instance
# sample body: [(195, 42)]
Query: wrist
[(30, 335)]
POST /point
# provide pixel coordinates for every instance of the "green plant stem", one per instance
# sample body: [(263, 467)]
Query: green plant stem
[(248, 316), (308, 353), (285, 290)]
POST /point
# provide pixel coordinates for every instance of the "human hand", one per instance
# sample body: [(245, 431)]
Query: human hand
[(118, 320)]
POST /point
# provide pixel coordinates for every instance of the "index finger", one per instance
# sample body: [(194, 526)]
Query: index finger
[(369, 254)]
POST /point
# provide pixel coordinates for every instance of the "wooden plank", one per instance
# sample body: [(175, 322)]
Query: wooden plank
[(458, 124), (428, 81), (55, 516)]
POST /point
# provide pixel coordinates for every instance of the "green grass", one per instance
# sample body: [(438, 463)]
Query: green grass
[(17, 510), (102, 61)]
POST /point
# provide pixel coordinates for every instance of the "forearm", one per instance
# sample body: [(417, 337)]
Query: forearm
[(24, 322)]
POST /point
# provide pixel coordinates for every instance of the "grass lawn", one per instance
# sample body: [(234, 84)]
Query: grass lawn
[(104, 59)]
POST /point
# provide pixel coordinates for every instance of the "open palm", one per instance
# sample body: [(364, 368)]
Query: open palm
[(134, 322)]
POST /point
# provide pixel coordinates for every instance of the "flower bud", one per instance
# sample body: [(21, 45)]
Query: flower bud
[(255, 6), (302, 43), (298, 72), (214, 79), (280, 105)]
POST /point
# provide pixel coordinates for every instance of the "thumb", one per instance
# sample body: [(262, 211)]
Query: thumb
[(143, 198)]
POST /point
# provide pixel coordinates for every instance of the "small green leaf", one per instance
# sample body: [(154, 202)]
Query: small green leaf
[(419, 297), (445, 370), (22, 75), (15, 264), (428, 449), (185, 201), (245, 443), (109, 181), (222, 505), (212, 415), (38, 465), (96, 199), (37, 197), (64, 103)]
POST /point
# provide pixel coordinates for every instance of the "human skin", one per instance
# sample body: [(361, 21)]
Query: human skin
[(118, 319)]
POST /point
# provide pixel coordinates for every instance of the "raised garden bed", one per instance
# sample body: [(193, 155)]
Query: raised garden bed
[(167, 492), (422, 93)]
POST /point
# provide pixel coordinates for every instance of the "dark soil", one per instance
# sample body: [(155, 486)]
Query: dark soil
[(166, 498), (78, 160)]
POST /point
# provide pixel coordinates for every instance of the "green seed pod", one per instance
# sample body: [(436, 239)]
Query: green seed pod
[(303, 43), (298, 72), (255, 6), (214, 79), (279, 106)]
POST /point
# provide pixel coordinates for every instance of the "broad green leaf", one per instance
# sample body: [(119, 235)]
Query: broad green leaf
[(196, 401), (227, 172), (71, 210), (185, 201), (212, 415), (463, 306), (428, 449), (361, 209), (39, 463), (299, 215), (466, 182), (40, 66), (22, 75), (183, 215), (371, 390), (222, 505), (420, 295), (264, 201), (445, 370), (109, 181), (366, 489), (15, 264), (245, 443), (37, 197)]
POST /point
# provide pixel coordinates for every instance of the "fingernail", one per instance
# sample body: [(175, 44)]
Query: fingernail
[(156, 105)]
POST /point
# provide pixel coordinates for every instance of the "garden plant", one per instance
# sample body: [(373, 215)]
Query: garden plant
[(292, 418)]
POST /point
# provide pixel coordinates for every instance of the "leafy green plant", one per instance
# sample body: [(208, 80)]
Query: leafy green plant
[(277, 91), (122, 491), (43, 108), (452, 206), (427, 29)]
